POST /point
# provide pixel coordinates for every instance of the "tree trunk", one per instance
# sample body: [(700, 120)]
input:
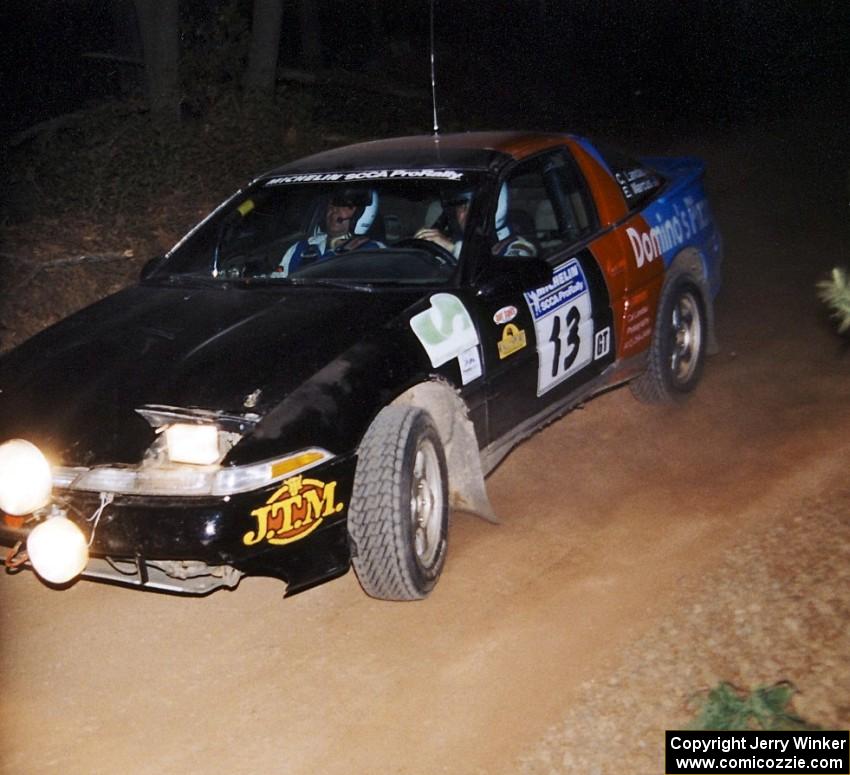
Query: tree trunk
[(311, 36), (376, 31), (159, 25), (259, 81), (127, 44)]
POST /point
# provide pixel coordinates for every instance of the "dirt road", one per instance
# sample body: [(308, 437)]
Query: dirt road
[(611, 519)]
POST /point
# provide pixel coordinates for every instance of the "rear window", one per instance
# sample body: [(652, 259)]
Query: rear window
[(639, 182)]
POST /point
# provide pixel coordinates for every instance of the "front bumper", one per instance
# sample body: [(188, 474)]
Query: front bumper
[(293, 530)]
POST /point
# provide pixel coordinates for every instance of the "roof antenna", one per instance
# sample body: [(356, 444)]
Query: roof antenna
[(433, 77)]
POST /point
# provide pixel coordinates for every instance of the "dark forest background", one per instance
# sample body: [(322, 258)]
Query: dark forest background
[(531, 62), (125, 121)]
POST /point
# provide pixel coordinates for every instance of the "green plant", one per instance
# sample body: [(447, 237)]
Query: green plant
[(836, 293), (725, 707)]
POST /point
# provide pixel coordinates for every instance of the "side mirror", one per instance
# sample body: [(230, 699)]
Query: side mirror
[(513, 274), (150, 266)]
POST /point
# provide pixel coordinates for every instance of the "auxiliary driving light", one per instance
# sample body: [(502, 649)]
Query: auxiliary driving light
[(58, 550), (25, 478)]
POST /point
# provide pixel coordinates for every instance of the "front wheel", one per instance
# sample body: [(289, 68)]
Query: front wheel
[(677, 353), (398, 518)]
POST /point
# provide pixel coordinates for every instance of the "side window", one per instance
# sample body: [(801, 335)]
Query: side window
[(573, 205), (547, 205)]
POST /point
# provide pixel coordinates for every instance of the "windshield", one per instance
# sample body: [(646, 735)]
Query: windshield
[(362, 228)]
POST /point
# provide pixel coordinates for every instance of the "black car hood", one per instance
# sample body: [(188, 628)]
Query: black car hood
[(74, 388)]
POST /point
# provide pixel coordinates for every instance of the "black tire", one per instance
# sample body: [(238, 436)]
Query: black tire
[(399, 513), (677, 353)]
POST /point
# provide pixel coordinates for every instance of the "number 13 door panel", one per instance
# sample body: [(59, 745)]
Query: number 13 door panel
[(570, 329)]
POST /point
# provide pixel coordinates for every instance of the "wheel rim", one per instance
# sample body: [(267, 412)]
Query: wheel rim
[(426, 503), (687, 338)]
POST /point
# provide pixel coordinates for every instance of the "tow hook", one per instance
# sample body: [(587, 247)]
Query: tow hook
[(16, 556)]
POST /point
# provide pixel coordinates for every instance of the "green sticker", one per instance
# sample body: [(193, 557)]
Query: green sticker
[(445, 329)]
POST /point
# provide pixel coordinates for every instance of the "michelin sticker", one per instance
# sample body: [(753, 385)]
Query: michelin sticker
[(563, 324), (336, 177), (446, 331)]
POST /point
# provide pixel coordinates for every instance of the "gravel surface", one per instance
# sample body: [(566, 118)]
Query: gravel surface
[(473, 676), (777, 608)]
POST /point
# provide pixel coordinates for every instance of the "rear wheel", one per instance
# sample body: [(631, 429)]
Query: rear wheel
[(677, 352), (398, 518)]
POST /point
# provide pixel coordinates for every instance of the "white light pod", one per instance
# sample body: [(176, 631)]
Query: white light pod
[(58, 550), (25, 478)]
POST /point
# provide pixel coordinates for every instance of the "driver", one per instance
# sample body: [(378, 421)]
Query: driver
[(348, 217), (456, 212)]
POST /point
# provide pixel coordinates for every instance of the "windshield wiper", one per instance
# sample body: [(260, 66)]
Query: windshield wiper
[(223, 281), (187, 278), (327, 282)]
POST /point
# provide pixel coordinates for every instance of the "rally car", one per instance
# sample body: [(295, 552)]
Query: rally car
[(338, 355)]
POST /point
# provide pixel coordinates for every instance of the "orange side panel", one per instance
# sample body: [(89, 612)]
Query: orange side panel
[(643, 289), (608, 252), (634, 291)]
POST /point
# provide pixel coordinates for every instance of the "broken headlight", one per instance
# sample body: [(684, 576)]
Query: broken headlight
[(185, 459)]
